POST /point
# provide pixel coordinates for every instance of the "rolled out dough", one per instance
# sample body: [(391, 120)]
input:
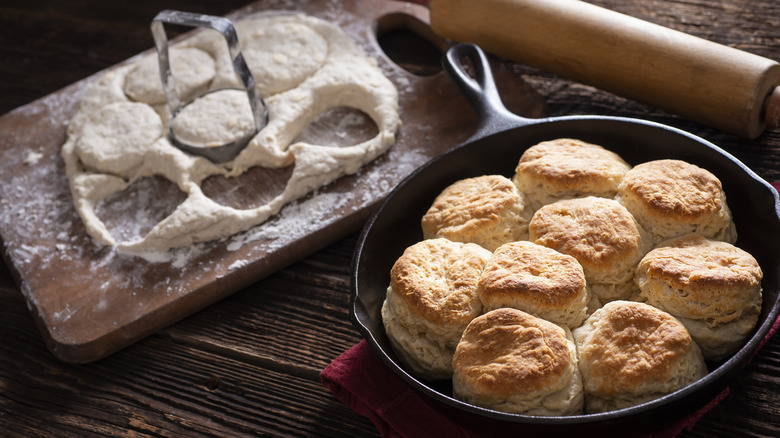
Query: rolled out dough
[(303, 67)]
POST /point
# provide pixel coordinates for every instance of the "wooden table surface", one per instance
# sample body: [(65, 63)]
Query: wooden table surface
[(249, 365)]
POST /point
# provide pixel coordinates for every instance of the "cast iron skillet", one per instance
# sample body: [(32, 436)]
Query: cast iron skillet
[(495, 148)]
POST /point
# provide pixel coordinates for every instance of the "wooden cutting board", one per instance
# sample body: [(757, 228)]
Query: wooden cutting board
[(90, 301)]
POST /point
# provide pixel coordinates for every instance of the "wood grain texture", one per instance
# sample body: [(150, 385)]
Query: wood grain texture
[(248, 365)]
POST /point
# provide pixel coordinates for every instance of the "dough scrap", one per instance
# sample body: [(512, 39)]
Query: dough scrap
[(214, 119), (298, 52), (116, 137), (192, 70), (303, 67)]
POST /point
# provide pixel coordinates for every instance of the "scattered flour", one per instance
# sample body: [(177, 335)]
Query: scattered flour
[(32, 158), (238, 264)]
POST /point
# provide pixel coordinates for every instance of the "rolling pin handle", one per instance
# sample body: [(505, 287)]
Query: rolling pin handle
[(772, 109)]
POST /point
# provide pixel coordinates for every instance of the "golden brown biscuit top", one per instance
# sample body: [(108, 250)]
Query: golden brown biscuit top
[(632, 343), (598, 232), (673, 188), (471, 204), (533, 273), (438, 279), (507, 351), (718, 279), (570, 163)]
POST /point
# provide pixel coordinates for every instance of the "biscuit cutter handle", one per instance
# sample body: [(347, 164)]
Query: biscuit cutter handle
[(228, 31), (713, 84)]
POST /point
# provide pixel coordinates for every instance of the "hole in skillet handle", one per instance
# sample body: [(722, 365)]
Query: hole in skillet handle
[(480, 90)]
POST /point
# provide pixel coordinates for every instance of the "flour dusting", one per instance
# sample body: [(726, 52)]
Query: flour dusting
[(32, 158)]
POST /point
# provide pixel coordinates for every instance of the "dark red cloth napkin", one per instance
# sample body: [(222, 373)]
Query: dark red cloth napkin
[(366, 385)]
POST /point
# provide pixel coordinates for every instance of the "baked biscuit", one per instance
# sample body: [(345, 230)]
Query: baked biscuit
[(631, 353), (568, 168), (672, 198), (487, 210), (431, 299), (511, 361), (601, 234), (712, 287), (535, 279)]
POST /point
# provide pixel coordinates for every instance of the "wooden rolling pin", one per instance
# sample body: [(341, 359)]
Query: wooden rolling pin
[(713, 84)]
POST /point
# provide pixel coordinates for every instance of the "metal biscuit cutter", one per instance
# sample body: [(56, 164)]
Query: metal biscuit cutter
[(228, 151)]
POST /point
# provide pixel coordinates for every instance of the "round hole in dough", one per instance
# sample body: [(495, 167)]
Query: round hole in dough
[(283, 55), (215, 119), (341, 126), (192, 70), (131, 213), (254, 188), (115, 137)]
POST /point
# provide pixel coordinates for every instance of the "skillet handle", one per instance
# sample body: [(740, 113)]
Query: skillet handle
[(480, 91)]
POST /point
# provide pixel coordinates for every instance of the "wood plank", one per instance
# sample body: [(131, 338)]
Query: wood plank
[(174, 383)]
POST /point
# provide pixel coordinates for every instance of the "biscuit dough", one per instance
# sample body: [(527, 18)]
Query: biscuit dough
[(214, 119), (303, 67), (193, 69)]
